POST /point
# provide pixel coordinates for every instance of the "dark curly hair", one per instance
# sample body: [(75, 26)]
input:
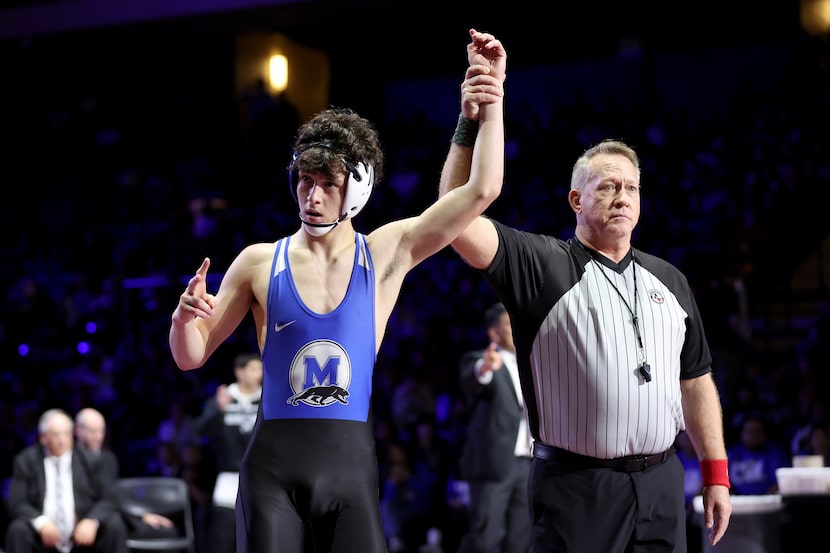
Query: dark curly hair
[(334, 134)]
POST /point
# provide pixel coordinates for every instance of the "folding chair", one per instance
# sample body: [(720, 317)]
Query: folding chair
[(162, 495)]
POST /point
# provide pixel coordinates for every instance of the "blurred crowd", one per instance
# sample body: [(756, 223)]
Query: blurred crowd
[(114, 210)]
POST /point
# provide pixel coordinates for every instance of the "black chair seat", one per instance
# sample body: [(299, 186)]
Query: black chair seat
[(161, 495)]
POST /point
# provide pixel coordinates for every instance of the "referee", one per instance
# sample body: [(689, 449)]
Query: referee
[(613, 362)]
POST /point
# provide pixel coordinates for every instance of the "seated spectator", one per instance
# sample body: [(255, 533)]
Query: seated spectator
[(90, 433), (754, 458), (58, 497), (816, 415), (818, 443)]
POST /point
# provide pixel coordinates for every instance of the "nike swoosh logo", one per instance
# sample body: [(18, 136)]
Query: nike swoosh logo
[(279, 327)]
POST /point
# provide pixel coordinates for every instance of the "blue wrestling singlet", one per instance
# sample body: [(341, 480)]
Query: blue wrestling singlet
[(311, 462), (319, 366)]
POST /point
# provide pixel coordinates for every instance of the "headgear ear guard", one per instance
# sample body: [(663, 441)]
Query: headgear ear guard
[(358, 188)]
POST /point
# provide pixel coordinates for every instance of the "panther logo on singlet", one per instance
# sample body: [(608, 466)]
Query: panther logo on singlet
[(320, 374), (318, 394)]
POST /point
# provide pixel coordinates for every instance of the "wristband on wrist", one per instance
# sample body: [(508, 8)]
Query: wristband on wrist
[(715, 472), (465, 132)]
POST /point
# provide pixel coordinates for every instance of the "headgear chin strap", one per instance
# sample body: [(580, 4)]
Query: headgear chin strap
[(358, 189)]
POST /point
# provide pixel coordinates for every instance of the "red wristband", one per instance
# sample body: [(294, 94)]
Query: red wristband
[(715, 472)]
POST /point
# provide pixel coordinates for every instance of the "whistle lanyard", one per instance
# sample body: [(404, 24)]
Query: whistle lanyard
[(642, 365)]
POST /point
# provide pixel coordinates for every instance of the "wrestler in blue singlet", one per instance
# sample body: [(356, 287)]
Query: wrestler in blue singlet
[(312, 455)]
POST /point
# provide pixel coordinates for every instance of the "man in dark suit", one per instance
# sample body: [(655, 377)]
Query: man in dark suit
[(495, 459), (90, 434), (58, 497)]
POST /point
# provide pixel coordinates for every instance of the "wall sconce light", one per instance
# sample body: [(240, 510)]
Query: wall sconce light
[(261, 59), (278, 72), (815, 17)]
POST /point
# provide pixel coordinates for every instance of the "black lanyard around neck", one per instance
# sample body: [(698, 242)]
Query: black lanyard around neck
[(642, 365)]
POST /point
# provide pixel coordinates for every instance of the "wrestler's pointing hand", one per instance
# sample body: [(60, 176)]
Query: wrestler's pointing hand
[(195, 301)]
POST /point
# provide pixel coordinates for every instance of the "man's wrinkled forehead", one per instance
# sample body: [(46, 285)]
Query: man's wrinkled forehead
[(617, 166)]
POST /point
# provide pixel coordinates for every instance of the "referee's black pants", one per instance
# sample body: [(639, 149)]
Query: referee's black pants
[(581, 510)]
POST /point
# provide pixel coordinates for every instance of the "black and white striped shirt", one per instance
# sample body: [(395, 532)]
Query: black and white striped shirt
[(572, 315)]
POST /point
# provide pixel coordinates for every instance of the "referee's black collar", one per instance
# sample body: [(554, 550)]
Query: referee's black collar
[(599, 258)]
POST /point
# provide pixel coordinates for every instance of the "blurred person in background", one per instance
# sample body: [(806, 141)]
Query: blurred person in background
[(495, 460), (90, 434), (226, 424), (754, 458), (58, 499)]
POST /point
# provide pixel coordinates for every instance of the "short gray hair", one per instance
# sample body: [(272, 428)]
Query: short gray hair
[(582, 171), (48, 415)]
